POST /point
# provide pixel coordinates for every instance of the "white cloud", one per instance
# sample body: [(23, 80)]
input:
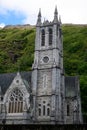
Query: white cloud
[(70, 10), (2, 25)]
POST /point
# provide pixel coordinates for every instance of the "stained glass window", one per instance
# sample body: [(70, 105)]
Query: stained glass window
[(15, 101)]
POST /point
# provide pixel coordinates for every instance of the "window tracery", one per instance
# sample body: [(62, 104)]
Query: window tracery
[(44, 109), (15, 101)]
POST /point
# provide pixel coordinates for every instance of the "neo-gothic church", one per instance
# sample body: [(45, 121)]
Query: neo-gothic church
[(44, 95)]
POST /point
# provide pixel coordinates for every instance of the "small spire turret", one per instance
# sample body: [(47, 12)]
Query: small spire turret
[(60, 20), (56, 15), (39, 18)]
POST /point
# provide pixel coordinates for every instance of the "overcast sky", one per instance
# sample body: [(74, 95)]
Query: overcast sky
[(26, 11)]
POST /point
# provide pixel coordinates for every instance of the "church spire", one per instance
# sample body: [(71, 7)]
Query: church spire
[(39, 18), (55, 15)]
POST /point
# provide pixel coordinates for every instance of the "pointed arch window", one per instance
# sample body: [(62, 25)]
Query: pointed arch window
[(15, 101), (48, 111), (39, 111), (43, 37), (44, 109), (68, 110), (50, 36)]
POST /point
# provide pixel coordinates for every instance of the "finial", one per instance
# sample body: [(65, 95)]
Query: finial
[(54, 63), (18, 73), (39, 14), (56, 12), (35, 64)]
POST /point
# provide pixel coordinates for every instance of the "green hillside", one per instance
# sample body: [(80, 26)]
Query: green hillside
[(17, 52), (75, 57)]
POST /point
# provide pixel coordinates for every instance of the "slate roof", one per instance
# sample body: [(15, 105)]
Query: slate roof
[(71, 86), (71, 82), (6, 79)]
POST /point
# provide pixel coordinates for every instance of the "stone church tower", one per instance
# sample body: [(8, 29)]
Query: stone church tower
[(43, 95), (48, 77)]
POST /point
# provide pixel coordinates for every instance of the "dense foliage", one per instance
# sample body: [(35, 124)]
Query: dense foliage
[(75, 57), (17, 52), (16, 49)]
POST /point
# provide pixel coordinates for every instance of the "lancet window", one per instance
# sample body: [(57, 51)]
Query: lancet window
[(68, 110), (43, 38), (50, 36)]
